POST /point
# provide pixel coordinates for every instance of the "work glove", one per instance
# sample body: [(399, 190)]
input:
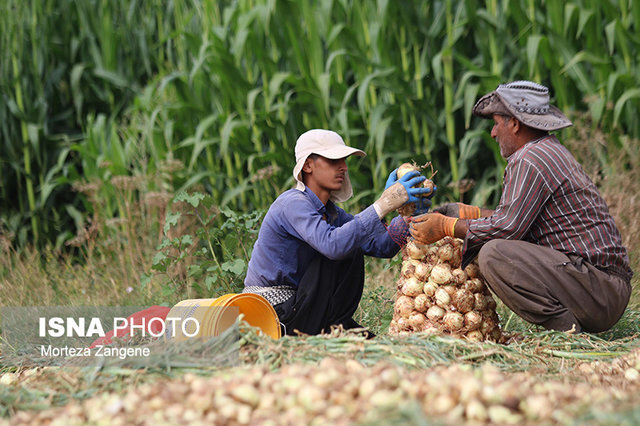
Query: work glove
[(424, 203), (459, 210), (399, 191), (431, 227)]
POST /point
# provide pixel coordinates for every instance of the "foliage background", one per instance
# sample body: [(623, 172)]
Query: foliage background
[(111, 107)]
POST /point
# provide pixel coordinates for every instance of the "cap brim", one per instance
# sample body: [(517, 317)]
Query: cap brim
[(336, 152)]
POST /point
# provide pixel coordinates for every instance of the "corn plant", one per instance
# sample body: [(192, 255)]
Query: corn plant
[(96, 89)]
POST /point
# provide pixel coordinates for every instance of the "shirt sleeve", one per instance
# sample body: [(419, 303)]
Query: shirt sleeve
[(333, 242), (524, 194)]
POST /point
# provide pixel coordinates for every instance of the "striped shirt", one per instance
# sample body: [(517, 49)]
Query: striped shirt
[(547, 199)]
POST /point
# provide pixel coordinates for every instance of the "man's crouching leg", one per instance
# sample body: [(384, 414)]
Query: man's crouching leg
[(549, 288), (328, 294)]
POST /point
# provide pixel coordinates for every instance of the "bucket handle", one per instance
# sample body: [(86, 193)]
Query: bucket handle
[(284, 327)]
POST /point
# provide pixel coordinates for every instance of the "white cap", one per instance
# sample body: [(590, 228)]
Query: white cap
[(330, 145)]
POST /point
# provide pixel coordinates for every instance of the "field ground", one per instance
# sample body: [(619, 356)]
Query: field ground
[(538, 377)]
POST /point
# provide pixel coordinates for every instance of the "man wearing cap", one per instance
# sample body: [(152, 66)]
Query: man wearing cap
[(550, 250), (308, 260)]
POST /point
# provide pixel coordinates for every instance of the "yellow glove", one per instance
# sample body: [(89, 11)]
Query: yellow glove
[(431, 227)]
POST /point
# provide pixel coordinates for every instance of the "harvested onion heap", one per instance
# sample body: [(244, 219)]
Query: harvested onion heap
[(436, 296)]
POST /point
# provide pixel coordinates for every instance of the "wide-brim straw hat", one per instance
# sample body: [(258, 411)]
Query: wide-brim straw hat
[(330, 145), (526, 101)]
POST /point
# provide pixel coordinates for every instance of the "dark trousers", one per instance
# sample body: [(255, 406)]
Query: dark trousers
[(328, 294), (549, 288)]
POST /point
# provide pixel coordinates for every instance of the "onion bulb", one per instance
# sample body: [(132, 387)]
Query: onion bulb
[(474, 285), (442, 298), (453, 321), (459, 276), (417, 321), (481, 302), (421, 303), (463, 300), (406, 168), (472, 270), (412, 287), (403, 307), (429, 288), (435, 313), (445, 252), (422, 271), (472, 320), (475, 336), (408, 267), (441, 273), (415, 250)]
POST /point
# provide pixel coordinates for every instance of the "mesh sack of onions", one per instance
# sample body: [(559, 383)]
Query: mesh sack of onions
[(435, 296)]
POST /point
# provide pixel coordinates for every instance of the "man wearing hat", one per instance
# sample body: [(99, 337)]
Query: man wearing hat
[(308, 260), (550, 250)]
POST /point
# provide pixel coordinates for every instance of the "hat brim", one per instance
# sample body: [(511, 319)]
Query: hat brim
[(492, 103)]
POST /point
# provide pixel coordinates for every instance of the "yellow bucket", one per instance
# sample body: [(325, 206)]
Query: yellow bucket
[(213, 316)]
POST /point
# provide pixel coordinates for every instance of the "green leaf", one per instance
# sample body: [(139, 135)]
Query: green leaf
[(170, 220), (236, 266), (626, 96), (159, 258), (210, 281), (193, 199)]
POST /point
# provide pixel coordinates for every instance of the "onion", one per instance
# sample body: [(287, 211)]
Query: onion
[(481, 302), (453, 321), (428, 183), (472, 270), (445, 252), (403, 306), (474, 285), (472, 320), (435, 313), (442, 298), (415, 250), (450, 289), (421, 303), (417, 321), (475, 336), (412, 287), (422, 271), (463, 300), (403, 324), (408, 267), (441, 273), (487, 325), (430, 288), (432, 251), (459, 276), (406, 168)]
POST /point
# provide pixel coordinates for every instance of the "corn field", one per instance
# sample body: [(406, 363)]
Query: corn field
[(184, 94)]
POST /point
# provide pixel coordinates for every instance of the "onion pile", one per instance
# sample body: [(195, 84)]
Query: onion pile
[(409, 208), (341, 391), (435, 296)]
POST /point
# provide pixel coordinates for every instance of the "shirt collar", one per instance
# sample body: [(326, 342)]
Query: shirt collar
[(330, 208)]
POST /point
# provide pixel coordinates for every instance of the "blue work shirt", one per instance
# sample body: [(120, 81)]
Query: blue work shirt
[(293, 232)]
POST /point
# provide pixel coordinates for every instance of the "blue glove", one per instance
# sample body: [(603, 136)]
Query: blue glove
[(393, 178), (410, 180), (424, 203)]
